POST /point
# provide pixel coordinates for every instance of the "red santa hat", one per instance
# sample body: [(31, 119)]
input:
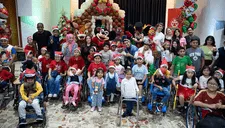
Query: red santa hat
[(97, 54), (116, 56), (120, 45), (78, 49), (28, 52), (164, 63), (29, 38), (95, 49), (64, 29), (190, 68), (4, 37), (3, 12), (162, 71), (140, 55), (44, 48), (58, 53), (220, 71), (74, 67), (29, 73), (55, 28), (111, 64), (113, 44)]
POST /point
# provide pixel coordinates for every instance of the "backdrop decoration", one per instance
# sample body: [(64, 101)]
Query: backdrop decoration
[(4, 28)]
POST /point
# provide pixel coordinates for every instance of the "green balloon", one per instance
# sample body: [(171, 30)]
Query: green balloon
[(183, 14), (190, 19), (151, 70), (195, 25), (195, 6), (186, 23), (184, 29)]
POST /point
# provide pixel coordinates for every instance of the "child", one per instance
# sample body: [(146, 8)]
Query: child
[(212, 103), (140, 72), (53, 43), (118, 67), (30, 93), (72, 84), (91, 54), (161, 83), (111, 82), (175, 47), (78, 60), (43, 52), (57, 70), (97, 64), (106, 54), (219, 74), (180, 62), (30, 56), (204, 78), (30, 45), (121, 52), (166, 53), (5, 76), (113, 48), (97, 85), (129, 89), (187, 86), (196, 54)]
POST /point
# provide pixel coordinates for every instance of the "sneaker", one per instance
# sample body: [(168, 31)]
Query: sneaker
[(49, 95), (39, 118), (66, 102), (55, 95), (99, 109), (23, 121), (74, 104), (92, 109)]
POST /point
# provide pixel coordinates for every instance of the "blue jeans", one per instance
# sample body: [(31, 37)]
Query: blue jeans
[(130, 105), (54, 85), (166, 92), (97, 99)]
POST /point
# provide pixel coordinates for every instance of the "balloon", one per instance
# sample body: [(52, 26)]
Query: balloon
[(195, 25), (195, 6), (190, 19), (194, 16), (183, 13), (186, 23), (184, 29), (151, 70)]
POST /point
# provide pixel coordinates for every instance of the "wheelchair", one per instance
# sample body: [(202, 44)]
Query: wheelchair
[(157, 106), (31, 115), (193, 116)]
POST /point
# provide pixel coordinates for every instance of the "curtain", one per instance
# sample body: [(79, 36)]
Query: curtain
[(146, 11)]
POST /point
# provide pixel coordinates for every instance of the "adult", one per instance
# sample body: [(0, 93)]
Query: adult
[(209, 49), (169, 35), (8, 52), (146, 51), (159, 36), (41, 37), (220, 62), (176, 34), (86, 48), (69, 47), (189, 36), (130, 51)]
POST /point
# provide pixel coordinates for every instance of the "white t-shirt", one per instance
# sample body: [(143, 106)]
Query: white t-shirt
[(188, 83), (166, 54), (203, 82), (221, 83), (129, 88)]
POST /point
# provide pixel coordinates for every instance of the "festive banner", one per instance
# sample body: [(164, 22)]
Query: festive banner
[(174, 20)]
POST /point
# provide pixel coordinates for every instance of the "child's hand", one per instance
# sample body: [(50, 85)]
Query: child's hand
[(160, 88), (29, 101), (222, 90), (47, 66), (195, 86), (51, 41), (218, 105), (49, 77)]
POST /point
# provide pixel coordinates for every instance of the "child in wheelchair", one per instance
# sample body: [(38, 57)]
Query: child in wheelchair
[(187, 86), (212, 103), (161, 84), (30, 93), (72, 85), (5, 76)]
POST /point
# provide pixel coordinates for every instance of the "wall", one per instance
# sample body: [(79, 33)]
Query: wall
[(169, 4)]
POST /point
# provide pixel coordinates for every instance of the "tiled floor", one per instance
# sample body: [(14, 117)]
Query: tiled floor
[(84, 118)]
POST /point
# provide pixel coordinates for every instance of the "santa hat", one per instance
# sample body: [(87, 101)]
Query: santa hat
[(27, 52), (5, 37), (58, 53), (190, 68), (55, 28), (78, 49), (164, 63), (111, 64), (3, 12), (29, 38), (116, 56), (120, 45), (140, 55), (64, 29), (113, 44), (221, 72), (162, 71), (74, 67), (97, 54), (44, 48), (29, 73)]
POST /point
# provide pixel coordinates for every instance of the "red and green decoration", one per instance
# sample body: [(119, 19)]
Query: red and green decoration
[(188, 16), (64, 23)]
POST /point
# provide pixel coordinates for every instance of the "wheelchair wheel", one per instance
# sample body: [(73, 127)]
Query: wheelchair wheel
[(84, 91), (191, 117)]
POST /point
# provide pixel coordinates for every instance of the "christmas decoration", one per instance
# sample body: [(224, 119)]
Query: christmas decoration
[(4, 28)]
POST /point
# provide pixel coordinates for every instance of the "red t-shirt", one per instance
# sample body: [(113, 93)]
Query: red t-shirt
[(61, 66), (91, 57), (203, 97), (5, 75), (44, 63), (28, 47), (93, 67), (79, 61)]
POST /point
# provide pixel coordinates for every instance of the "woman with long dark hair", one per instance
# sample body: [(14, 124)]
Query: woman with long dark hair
[(86, 48), (209, 49), (176, 34)]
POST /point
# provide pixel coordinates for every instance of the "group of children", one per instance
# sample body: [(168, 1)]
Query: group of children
[(107, 73)]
